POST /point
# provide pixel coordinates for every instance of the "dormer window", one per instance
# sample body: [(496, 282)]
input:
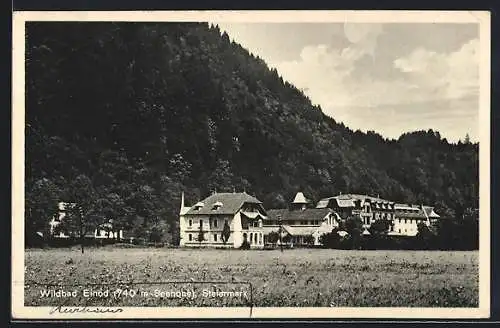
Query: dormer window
[(216, 206), (198, 206)]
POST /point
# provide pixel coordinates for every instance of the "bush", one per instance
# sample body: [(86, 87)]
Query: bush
[(245, 244), (330, 239)]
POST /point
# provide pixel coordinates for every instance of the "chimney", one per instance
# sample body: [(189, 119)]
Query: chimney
[(182, 201)]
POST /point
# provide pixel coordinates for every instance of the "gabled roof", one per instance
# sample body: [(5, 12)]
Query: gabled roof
[(306, 214), (231, 203), (430, 212)]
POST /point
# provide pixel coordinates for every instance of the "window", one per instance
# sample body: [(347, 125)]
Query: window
[(190, 223), (215, 223), (215, 237), (201, 223), (260, 238), (190, 237), (399, 230)]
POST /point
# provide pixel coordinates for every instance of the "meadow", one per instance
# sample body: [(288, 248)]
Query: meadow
[(299, 277)]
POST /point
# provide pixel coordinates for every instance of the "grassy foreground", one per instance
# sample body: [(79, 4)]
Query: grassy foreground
[(300, 277)]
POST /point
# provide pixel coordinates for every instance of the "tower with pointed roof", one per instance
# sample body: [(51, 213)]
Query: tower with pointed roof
[(300, 202)]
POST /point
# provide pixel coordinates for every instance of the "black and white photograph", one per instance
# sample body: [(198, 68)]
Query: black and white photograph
[(251, 164)]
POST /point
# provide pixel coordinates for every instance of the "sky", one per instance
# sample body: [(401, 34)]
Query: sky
[(390, 78)]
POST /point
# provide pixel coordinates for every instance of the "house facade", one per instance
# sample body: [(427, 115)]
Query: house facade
[(368, 208), (300, 224), (404, 218), (408, 217), (202, 224)]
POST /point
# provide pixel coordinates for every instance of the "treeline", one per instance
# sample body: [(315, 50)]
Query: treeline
[(123, 117)]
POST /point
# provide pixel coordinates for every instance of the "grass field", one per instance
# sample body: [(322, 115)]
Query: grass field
[(300, 277)]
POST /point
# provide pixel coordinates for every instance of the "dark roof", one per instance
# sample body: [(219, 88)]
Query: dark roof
[(411, 215), (307, 214), (430, 212), (344, 199), (231, 203)]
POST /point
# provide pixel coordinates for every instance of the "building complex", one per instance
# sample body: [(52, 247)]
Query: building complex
[(302, 223)]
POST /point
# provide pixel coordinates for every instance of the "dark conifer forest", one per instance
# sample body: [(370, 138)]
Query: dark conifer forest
[(127, 116)]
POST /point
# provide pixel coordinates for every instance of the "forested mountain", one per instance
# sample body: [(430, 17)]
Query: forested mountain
[(126, 116)]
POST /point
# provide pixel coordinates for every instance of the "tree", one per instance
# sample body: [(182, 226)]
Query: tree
[(378, 232), (287, 238), (226, 232), (222, 178), (245, 244), (330, 239), (41, 206), (309, 240), (467, 139), (273, 237), (201, 235), (424, 237), (353, 225), (82, 216)]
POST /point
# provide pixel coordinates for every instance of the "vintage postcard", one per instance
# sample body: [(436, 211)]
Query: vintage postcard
[(251, 164)]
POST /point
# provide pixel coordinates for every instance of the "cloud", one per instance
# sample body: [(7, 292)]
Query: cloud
[(389, 78), (363, 37), (441, 75), (341, 81)]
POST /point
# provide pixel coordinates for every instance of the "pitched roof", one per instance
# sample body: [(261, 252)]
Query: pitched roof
[(399, 206), (184, 210), (231, 203), (300, 231), (347, 200), (307, 214), (300, 199), (430, 212), (323, 203), (411, 215)]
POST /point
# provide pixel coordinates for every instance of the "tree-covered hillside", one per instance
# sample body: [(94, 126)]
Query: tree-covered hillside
[(132, 114)]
